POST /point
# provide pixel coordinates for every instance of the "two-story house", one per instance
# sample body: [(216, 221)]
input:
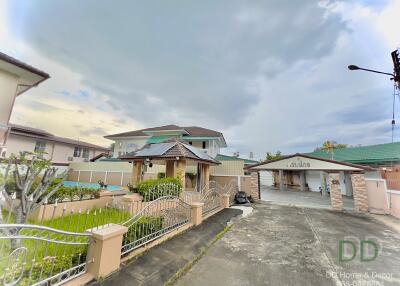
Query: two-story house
[(16, 77), (60, 151), (206, 139)]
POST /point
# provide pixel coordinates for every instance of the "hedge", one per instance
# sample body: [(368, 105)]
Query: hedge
[(153, 189)]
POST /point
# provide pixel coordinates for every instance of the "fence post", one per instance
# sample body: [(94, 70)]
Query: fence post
[(104, 254), (225, 201), (197, 212)]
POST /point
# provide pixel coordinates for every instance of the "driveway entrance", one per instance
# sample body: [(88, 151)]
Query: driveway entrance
[(280, 245), (301, 199)]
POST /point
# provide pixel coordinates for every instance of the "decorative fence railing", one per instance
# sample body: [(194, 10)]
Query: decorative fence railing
[(54, 247), (212, 202), (158, 218), (40, 255), (161, 190)]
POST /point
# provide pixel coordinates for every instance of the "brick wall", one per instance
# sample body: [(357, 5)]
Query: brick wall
[(336, 195), (359, 192), (254, 186)]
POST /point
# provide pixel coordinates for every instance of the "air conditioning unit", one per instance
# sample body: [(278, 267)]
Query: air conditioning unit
[(70, 159)]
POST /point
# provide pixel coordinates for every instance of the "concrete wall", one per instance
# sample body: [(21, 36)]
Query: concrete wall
[(233, 168), (123, 146), (244, 181), (381, 200), (126, 145)]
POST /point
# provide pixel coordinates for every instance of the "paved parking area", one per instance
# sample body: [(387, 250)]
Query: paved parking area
[(302, 199), (286, 245)]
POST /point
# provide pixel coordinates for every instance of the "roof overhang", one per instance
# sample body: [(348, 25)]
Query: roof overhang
[(300, 162), (28, 75)]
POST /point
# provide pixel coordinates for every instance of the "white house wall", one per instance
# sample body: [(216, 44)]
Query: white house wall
[(57, 152), (123, 146)]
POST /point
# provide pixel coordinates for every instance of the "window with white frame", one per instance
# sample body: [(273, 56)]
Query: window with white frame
[(85, 153), (77, 152), (40, 147)]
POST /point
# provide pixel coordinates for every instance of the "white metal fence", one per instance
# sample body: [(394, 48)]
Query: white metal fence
[(158, 218)]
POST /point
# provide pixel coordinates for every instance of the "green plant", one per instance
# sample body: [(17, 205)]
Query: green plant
[(153, 189), (144, 226), (161, 175)]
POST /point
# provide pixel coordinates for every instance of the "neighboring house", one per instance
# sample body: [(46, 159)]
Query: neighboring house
[(60, 151), (208, 140), (16, 77), (379, 155)]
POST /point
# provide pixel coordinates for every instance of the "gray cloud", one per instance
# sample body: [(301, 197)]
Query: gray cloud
[(198, 58), (270, 74)]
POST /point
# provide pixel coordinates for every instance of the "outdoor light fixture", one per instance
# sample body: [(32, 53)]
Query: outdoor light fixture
[(353, 67)]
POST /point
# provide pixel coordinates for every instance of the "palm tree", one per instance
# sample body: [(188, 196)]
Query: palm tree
[(329, 147)]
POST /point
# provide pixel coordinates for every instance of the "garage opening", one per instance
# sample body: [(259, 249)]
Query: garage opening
[(303, 180)]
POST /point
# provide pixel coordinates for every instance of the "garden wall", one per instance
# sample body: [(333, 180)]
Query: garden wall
[(381, 200), (49, 211)]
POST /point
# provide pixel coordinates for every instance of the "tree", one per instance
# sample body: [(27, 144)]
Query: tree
[(329, 147), (32, 177), (272, 157)]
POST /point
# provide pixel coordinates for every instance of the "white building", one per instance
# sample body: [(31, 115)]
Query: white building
[(208, 140), (60, 151), (16, 77)]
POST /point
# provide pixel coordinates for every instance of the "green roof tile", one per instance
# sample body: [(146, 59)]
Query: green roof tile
[(380, 154), (221, 157)]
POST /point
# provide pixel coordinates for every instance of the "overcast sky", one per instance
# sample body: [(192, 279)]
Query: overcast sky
[(271, 75)]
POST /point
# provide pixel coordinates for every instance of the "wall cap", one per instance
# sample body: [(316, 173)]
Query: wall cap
[(106, 232), (196, 204)]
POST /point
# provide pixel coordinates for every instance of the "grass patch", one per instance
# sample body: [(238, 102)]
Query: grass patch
[(44, 259)]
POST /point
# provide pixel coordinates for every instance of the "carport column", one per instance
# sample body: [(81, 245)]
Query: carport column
[(170, 169), (136, 172), (323, 182), (181, 172), (359, 192), (281, 184), (336, 194), (255, 185), (206, 176), (302, 181)]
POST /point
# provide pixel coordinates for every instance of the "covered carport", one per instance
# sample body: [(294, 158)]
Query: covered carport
[(302, 178)]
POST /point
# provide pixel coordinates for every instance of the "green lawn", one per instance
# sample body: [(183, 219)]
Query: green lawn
[(45, 259)]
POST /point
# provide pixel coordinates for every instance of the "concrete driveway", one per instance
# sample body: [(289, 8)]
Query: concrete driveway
[(285, 245), (301, 199)]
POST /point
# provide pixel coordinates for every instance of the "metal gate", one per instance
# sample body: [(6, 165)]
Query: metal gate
[(158, 218)]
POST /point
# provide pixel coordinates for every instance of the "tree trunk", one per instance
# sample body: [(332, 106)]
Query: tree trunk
[(20, 218)]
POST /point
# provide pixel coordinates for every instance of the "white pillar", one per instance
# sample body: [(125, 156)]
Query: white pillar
[(323, 182), (302, 181), (281, 185), (238, 182)]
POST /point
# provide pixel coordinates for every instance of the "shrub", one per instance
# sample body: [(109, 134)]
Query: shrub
[(161, 175), (153, 189), (144, 226)]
